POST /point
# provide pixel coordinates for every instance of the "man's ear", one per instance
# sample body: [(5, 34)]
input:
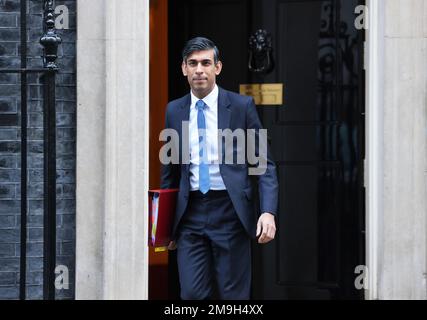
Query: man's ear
[(184, 68), (218, 68)]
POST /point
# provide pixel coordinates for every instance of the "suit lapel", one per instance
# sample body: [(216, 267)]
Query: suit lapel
[(224, 115), (185, 109), (184, 115), (224, 112)]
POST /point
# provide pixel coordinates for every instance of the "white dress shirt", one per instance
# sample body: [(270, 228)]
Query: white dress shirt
[(211, 120)]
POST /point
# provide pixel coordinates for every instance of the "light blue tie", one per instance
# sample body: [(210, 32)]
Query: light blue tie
[(204, 183)]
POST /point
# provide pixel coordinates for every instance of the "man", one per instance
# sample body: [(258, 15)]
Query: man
[(215, 219)]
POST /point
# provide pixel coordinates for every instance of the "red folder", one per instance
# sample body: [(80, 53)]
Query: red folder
[(165, 200)]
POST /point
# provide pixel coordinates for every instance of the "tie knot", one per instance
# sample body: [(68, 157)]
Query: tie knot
[(200, 105)]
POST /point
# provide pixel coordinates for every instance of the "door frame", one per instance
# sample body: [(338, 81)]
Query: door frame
[(373, 162), (374, 66)]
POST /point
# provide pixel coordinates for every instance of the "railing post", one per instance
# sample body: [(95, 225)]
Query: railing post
[(24, 174), (50, 41)]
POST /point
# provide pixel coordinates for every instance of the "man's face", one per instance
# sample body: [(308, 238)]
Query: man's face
[(201, 71)]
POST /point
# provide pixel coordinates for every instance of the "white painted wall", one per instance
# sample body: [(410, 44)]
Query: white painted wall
[(397, 149), (374, 66), (112, 149)]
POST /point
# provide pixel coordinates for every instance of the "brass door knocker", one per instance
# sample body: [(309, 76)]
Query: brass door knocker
[(260, 52)]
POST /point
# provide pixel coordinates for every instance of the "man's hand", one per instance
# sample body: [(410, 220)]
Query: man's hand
[(172, 245), (266, 227)]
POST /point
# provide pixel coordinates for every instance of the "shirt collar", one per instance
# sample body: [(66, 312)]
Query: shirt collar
[(210, 99)]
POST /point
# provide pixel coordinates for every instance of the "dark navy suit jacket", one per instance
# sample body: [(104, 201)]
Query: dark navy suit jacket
[(234, 112)]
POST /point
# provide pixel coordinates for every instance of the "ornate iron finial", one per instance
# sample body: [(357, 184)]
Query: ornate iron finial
[(260, 52), (50, 40)]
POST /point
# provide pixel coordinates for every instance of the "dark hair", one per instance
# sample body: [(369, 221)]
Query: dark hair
[(199, 44)]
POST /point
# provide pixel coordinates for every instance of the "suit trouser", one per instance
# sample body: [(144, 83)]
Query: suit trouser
[(213, 249)]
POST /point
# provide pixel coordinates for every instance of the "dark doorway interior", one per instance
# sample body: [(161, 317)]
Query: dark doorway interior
[(317, 135)]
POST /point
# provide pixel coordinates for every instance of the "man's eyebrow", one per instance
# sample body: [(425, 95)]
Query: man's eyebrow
[(203, 60)]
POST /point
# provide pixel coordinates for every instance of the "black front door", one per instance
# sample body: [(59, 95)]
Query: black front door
[(316, 136)]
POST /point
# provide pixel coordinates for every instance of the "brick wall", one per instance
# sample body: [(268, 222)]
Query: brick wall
[(10, 151)]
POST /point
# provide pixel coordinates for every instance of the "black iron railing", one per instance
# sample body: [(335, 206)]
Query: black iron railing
[(50, 41)]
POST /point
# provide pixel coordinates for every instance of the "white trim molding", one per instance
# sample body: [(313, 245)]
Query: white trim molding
[(374, 54), (396, 116), (112, 149), (127, 140)]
